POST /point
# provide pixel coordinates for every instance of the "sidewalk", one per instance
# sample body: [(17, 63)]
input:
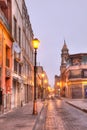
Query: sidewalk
[(78, 103), (21, 118)]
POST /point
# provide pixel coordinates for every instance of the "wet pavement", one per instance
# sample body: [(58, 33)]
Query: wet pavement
[(62, 116), (21, 118), (54, 114), (78, 103)]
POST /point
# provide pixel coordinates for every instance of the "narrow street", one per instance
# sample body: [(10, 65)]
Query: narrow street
[(61, 116), (55, 114)]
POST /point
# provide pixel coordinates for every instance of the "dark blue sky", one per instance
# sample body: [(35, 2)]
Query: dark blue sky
[(52, 22)]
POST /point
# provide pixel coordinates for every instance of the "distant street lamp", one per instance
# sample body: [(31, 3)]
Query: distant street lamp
[(42, 84), (45, 85), (58, 88), (35, 43)]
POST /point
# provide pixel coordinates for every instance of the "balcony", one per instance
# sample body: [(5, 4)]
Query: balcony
[(75, 77), (4, 20)]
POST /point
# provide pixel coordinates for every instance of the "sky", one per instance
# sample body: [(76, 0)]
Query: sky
[(54, 21)]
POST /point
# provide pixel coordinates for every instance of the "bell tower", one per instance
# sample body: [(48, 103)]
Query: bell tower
[(64, 56)]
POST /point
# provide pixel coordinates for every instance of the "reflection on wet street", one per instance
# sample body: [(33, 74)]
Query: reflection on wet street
[(61, 116)]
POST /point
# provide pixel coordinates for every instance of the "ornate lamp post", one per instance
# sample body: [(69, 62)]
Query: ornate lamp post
[(35, 43)]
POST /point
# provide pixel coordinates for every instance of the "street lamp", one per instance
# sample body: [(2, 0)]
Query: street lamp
[(35, 43), (45, 85)]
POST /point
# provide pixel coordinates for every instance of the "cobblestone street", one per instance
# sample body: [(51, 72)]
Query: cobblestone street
[(20, 118), (61, 116), (52, 115)]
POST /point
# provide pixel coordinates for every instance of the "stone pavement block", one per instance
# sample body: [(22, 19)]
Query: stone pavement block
[(78, 103), (20, 118)]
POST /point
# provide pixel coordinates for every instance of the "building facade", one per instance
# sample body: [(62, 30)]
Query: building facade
[(42, 83), (74, 75), (6, 42), (22, 87), (16, 55), (57, 86), (27, 56)]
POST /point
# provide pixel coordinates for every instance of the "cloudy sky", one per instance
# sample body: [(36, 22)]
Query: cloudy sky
[(53, 21)]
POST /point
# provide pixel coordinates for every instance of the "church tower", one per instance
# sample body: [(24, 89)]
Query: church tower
[(64, 56)]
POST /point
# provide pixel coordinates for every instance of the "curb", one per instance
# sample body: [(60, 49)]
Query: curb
[(84, 110), (37, 119)]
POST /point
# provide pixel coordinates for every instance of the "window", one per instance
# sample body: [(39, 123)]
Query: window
[(15, 65), (84, 72), (15, 28), (84, 59), (7, 62), (19, 36), (19, 69), (7, 56), (76, 61)]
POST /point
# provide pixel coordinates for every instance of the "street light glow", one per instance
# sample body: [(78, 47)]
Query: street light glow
[(43, 75), (35, 43)]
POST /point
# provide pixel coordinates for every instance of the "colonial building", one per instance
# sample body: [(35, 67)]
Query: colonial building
[(16, 55), (22, 54), (16, 52), (43, 83), (27, 56), (6, 42), (73, 74)]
